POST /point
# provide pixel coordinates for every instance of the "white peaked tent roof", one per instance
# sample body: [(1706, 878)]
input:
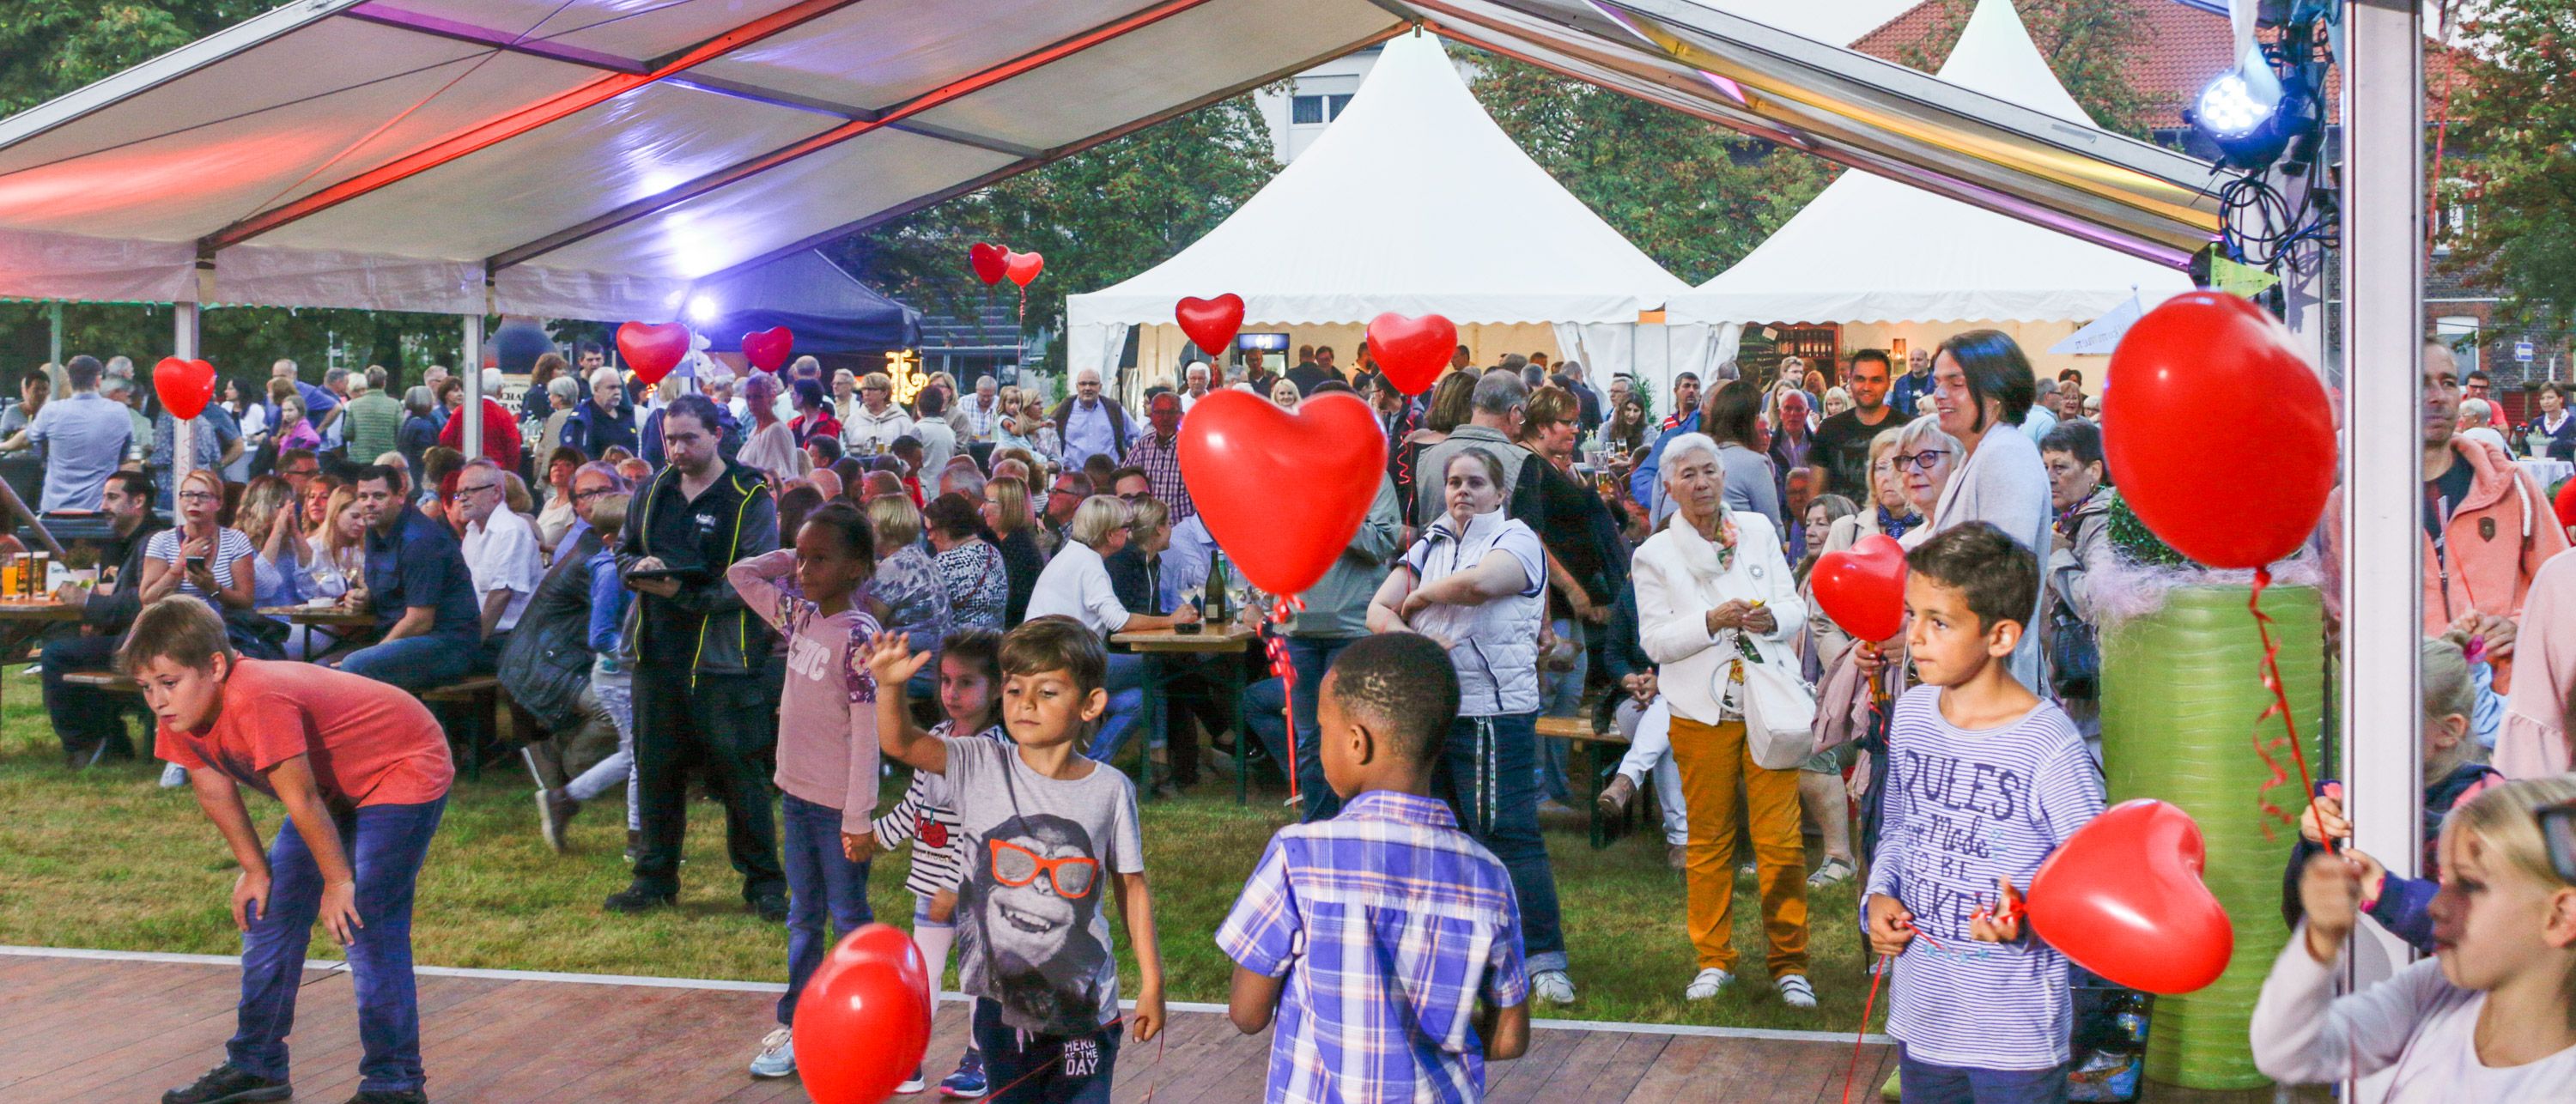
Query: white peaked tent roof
[(1414, 201), (1872, 249)]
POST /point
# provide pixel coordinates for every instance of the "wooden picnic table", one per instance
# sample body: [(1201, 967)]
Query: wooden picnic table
[(1230, 638), (346, 627), (21, 622)]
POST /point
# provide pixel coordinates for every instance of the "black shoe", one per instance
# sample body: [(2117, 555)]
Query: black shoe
[(390, 1096), (771, 907), (229, 1084), (639, 898)]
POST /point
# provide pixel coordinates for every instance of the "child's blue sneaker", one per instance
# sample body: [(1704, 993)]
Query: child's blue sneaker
[(914, 1083), (777, 1057), (968, 1082)]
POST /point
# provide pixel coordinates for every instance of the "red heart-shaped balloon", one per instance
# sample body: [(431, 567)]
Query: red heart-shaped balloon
[(863, 1020), (651, 351), (2124, 899), (1211, 323), (1412, 351), (1023, 267), (768, 350), (1863, 587), (1282, 492), (2566, 504), (185, 386), (987, 261), (2182, 375)]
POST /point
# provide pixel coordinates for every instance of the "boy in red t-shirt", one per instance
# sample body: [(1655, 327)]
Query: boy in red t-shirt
[(362, 770)]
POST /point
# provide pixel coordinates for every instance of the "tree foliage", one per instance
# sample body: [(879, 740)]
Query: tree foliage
[(1692, 194), (2089, 45), (1099, 216), (2512, 136)]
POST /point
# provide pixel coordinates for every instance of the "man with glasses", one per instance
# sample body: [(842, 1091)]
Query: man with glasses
[(1157, 456), (701, 696), (89, 721), (1090, 423), (606, 421), (420, 589), (1062, 500), (500, 549), (2478, 386), (298, 467)]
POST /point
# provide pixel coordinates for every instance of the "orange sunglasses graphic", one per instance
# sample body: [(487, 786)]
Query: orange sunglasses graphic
[(1072, 876)]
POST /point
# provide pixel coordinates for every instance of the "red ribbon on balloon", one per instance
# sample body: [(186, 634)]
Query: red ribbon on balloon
[(1022, 268)]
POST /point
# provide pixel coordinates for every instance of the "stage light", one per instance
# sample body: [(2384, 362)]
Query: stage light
[(2228, 108), (703, 310), (2252, 115)]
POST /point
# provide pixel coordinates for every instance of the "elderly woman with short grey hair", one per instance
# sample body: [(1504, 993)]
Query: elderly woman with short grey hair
[(1714, 595), (1076, 584)]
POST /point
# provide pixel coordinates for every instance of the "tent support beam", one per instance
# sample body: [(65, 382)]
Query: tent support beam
[(471, 367), (183, 437), (794, 151), (2383, 342), (744, 91), (517, 123), (1059, 153), (504, 41)]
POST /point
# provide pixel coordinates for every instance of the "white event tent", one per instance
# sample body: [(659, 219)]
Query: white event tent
[(1892, 261), (1414, 202)]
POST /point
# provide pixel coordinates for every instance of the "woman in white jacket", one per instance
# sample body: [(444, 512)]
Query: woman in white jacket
[(1715, 593)]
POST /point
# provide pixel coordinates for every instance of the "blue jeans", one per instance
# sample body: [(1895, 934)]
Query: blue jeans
[(1125, 682), (1925, 1083), (818, 877), (417, 662), (1488, 775), (385, 844), (1028, 1068), (1311, 657), (1560, 694)]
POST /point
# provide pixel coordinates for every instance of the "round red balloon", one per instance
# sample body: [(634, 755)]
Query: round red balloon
[(1863, 587), (986, 259), (2566, 504), (1282, 493), (652, 351), (1023, 267), (2204, 366), (1412, 351), (2124, 899), (863, 1021), (1210, 323), (185, 386)]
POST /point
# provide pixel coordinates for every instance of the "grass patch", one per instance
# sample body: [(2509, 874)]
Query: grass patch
[(104, 858)]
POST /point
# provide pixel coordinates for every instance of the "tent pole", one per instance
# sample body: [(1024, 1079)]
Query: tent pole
[(2383, 337), (54, 348), (472, 369), (183, 437)]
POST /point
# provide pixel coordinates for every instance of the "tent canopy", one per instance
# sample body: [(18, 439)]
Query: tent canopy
[(1868, 249), (596, 158), (1416, 202), (827, 309)]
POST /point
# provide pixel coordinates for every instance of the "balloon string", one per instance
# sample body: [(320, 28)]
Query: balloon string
[(1886, 966), (1161, 1042), (1276, 643), (2279, 707)]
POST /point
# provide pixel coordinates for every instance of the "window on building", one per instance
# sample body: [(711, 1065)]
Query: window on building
[(1307, 110), (1337, 103)]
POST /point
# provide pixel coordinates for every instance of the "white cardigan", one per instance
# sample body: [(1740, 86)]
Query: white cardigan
[(1673, 605)]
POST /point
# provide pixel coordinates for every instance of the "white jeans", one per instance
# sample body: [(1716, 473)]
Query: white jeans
[(616, 694), (1650, 752)]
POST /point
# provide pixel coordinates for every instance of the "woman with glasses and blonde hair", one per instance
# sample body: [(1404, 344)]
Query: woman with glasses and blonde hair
[(878, 421), (199, 557)]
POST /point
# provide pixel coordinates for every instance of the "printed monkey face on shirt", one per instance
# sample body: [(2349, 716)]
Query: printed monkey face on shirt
[(1035, 888)]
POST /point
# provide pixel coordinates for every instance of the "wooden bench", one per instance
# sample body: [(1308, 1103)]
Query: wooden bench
[(1578, 730)]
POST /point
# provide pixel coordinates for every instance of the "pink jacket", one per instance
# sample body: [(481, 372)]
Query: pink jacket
[(2533, 743), (2497, 540)]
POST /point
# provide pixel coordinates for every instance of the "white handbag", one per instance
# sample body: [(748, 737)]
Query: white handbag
[(1779, 715)]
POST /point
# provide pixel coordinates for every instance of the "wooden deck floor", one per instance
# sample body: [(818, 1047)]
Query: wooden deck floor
[(124, 1029)]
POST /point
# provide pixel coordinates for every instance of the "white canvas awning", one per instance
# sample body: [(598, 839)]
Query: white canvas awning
[(1870, 249), (594, 158)]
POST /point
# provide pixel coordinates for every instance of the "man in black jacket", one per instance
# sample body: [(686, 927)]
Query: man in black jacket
[(606, 421), (699, 693), (89, 721)]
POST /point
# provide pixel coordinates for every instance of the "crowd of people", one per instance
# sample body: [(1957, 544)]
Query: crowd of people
[(782, 586)]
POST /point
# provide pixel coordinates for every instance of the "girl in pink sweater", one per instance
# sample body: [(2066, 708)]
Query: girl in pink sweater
[(827, 740)]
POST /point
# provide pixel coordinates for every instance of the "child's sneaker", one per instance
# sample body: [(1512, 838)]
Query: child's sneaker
[(228, 1084), (1552, 986), (777, 1057), (968, 1082), (1708, 984), (1795, 992), (914, 1083)]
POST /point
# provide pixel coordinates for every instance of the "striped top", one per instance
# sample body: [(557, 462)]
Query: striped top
[(1389, 924), (927, 816), (230, 547), (1963, 808)]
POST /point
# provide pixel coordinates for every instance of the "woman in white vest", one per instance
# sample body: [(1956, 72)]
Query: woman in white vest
[(1714, 596), (1476, 582)]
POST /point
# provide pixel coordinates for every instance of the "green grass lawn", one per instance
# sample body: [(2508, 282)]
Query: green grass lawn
[(106, 859)]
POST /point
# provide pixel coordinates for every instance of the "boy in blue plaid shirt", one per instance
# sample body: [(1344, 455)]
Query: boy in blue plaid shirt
[(1387, 941)]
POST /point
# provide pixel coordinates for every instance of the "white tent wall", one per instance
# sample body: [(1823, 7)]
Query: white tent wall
[(2035, 338), (1160, 346)]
